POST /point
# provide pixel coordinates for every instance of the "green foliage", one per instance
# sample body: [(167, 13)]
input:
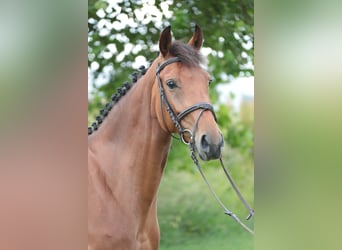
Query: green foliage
[(228, 29), (227, 26), (188, 213), (238, 132)]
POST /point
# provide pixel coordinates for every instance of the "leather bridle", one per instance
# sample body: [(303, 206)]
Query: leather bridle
[(177, 118)]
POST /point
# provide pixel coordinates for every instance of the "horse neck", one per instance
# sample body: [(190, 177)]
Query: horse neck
[(133, 144), (137, 108)]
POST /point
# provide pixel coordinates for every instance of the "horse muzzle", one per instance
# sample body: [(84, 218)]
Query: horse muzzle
[(208, 147)]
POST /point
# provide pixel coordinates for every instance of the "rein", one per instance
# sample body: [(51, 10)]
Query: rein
[(176, 119)]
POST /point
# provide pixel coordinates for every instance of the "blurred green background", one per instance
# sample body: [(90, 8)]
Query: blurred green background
[(122, 35)]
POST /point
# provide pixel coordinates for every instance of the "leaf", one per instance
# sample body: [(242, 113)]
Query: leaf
[(100, 4)]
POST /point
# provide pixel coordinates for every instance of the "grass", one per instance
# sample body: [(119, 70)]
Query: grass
[(190, 218), (214, 242)]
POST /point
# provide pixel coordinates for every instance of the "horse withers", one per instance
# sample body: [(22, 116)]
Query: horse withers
[(128, 152)]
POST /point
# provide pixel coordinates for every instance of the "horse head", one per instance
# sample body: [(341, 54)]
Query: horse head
[(183, 85)]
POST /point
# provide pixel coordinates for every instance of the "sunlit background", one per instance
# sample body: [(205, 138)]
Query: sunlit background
[(145, 12)]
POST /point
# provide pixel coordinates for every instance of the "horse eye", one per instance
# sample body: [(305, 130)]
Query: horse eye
[(210, 81), (171, 84)]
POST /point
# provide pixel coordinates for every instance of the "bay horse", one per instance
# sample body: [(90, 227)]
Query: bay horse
[(128, 152)]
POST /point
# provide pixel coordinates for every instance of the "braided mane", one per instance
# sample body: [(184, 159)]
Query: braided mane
[(120, 92)]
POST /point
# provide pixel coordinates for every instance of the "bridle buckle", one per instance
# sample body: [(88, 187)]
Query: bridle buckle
[(186, 132)]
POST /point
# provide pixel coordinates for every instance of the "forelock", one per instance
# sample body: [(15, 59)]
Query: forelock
[(186, 53)]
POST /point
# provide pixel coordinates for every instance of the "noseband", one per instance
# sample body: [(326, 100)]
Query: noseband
[(176, 118)]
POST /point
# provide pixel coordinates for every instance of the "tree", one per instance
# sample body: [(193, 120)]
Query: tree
[(119, 32)]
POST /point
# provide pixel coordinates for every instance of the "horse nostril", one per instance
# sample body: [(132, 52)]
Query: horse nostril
[(204, 143), (208, 149)]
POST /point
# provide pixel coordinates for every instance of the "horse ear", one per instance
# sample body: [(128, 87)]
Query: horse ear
[(196, 40), (165, 41)]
